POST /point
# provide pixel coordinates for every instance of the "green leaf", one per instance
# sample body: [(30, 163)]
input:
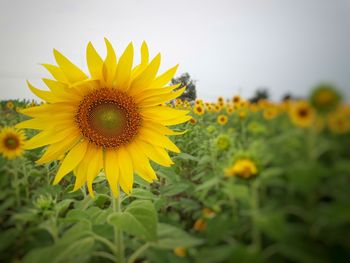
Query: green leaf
[(174, 189), (143, 194), (62, 252), (208, 184), (139, 219), (186, 156), (170, 237)]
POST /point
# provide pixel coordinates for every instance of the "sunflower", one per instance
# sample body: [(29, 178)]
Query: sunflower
[(302, 114), (338, 123), (198, 110), (193, 121), (112, 121), (199, 225), (270, 113), (11, 142), (180, 251), (222, 142), (325, 98), (10, 105), (222, 119), (244, 168), (236, 99)]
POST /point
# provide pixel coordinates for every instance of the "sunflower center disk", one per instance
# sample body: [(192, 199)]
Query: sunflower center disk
[(108, 118), (11, 143)]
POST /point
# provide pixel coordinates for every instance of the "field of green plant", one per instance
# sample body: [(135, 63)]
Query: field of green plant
[(254, 182)]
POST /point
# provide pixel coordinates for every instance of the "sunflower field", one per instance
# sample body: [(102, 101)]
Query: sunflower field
[(236, 182)]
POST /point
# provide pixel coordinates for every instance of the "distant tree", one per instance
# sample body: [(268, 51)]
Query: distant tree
[(286, 97), (185, 80), (261, 93)]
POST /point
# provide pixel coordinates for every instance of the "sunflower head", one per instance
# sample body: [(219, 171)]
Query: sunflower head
[(193, 121), (325, 98), (113, 120), (180, 251), (9, 105), (302, 114), (338, 123), (198, 109), (236, 99), (270, 113), (222, 142), (11, 142), (222, 119), (244, 168)]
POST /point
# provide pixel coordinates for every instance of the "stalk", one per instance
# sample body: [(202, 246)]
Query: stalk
[(118, 234)]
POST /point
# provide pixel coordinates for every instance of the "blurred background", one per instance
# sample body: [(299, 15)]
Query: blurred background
[(227, 46)]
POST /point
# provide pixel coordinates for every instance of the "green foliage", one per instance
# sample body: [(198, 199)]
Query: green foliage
[(295, 210)]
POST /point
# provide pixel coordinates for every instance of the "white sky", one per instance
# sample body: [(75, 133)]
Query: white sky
[(228, 46)]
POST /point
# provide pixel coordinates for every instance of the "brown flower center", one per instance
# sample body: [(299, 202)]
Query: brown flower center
[(303, 112), (108, 118), (11, 142)]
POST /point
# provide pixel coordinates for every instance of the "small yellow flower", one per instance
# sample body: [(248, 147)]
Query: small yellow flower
[(193, 121), (9, 105), (242, 114), (180, 251), (302, 114), (244, 168), (236, 99), (325, 98), (11, 142), (270, 113), (199, 110), (222, 142), (200, 225), (208, 213), (230, 109), (338, 123), (222, 119)]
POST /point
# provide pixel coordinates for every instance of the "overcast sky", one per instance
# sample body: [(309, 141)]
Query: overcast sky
[(228, 46)]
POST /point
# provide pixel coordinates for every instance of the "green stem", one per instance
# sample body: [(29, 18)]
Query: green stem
[(16, 183), (118, 234), (256, 235), (103, 254), (138, 253)]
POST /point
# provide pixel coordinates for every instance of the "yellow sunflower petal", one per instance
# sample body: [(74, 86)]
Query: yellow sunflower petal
[(124, 68), (144, 61), (45, 95), (155, 138), (112, 171), (146, 77), (141, 164), (175, 121), (80, 176), (164, 79), (71, 71), (126, 178), (109, 65), (47, 137), (159, 99), (56, 150), (149, 93), (72, 159), (56, 72), (162, 113), (94, 61), (155, 153), (94, 167), (161, 129)]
